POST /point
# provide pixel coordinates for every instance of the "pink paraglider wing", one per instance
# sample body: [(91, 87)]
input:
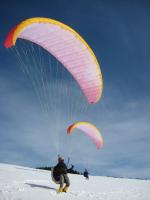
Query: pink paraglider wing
[(90, 130), (68, 47)]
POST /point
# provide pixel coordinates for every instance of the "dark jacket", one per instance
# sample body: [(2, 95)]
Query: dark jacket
[(60, 169), (86, 174)]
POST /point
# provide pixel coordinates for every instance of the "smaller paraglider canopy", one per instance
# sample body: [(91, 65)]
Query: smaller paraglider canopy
[(90, 130)]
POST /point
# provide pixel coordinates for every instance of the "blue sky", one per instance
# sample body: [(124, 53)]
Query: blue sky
[(119, 34)]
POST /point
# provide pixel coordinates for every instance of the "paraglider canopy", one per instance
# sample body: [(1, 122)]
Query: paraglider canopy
[(68, 47), (90, 130)]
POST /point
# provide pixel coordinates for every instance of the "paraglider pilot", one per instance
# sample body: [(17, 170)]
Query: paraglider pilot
[(61, 171), (86, 174)]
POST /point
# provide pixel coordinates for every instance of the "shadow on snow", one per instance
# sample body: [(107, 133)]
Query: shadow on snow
[(40, 186)]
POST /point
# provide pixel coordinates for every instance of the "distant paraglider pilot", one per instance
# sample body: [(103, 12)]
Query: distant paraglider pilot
[(86, 174), (60, 174)]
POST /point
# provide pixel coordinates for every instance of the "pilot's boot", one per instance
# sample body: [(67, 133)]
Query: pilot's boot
[(60, 189), (65, 189)]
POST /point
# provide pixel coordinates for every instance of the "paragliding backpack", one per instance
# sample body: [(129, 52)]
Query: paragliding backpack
[(55, 175)]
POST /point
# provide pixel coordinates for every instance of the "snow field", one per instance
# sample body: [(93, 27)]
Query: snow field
[(22, 183)]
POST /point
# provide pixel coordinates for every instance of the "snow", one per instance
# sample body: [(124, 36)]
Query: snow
[(22, 183)]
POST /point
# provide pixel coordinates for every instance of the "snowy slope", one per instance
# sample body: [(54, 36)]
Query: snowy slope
[(22, 183)]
